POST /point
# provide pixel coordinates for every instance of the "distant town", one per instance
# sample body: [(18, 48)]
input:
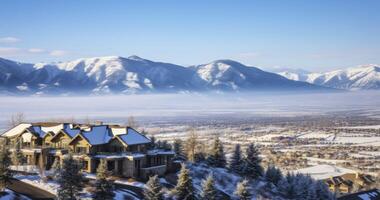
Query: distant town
[(133, 159)]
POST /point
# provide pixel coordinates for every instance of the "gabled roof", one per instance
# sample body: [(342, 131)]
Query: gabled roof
[(17, 130), (37, 131), (98, 135), (373, 194), (67, 130), (132, 137), (72, 132)]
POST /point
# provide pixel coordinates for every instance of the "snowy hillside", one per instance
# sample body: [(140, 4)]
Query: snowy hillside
[(115, 74), (360, 77), (232, 76)]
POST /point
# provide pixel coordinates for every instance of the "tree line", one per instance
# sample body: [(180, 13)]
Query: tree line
[(247, 165)]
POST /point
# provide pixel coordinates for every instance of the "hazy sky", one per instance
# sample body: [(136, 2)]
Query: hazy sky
[(314, 35)]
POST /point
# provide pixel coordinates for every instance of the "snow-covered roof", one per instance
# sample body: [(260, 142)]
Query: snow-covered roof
[(70, 131), (133, 137), (55, 129), (98, 135), (37, 130), (16, 130), (160, 152)]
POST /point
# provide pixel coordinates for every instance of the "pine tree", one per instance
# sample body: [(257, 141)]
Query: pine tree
[(56, 166), (209, 191), (103, 187), (235, 163), (287, 187), (242, 191), (178, 148), (152, 142), (251, 163), (216, 156), (5, 172), (153, 189), (200, 154), (273, 175), (191, 144), (17, 157), (303, 185), (184, 189), (323, 192), (70, 179), (311, 193)]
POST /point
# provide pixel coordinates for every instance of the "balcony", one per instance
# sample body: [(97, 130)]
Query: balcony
[(119, 155)]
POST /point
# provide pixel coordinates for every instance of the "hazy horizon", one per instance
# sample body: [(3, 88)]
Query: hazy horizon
[(195, 106)]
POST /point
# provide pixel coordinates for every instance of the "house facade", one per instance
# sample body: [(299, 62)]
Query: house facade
[(350, 182), (128, 153)]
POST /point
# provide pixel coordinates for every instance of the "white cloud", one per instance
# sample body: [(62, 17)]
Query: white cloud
[(9, 40), (58, 53), (36, 50), (7, 51)]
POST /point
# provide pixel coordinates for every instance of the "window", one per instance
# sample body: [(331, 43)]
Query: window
[(137, 164), (81, 150), (84, 165)]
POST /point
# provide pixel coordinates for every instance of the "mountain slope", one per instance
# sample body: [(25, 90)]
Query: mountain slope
[(231, 75), (360, 77), (117, 75)]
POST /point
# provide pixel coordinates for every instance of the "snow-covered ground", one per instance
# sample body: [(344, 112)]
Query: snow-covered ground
[(361, 127), (52, 186), (320, 172), (10, 195), (35, 180), (224, 180)]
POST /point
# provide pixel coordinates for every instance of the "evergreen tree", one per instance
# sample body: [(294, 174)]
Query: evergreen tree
[(209, 191), (153, 189), (200, 154), (165, 145), (251, 163), (287, 187), (311, 193), (152, 142), (70, 179), (216, 156), (273, 175), (5, 172), (178, 148), (56, 166), (191, 145), (235, 163), (323, 192), (304, 186), (17, 157), (242, 191), (103, 187), (184, 189)]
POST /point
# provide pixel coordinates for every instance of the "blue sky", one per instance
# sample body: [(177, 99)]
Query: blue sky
[(314, 35)]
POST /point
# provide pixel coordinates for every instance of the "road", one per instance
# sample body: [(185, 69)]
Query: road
[(30, 191)]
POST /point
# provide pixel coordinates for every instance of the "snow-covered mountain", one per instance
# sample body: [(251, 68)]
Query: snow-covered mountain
[(115, 74), (355, 78), (231, 76)]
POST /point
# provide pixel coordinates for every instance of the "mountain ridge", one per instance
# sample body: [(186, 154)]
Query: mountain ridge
[(362, 77), (125, 75)]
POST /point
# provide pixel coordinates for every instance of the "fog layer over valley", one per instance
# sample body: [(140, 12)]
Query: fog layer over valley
[(191, 107)]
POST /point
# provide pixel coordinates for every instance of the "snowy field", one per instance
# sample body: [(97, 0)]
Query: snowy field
[(321, 172)]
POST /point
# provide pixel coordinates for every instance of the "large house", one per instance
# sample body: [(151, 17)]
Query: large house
[(128, 153), (349, 182)]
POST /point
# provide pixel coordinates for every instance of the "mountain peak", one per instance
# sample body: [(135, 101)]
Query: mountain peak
[(134, 57)]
